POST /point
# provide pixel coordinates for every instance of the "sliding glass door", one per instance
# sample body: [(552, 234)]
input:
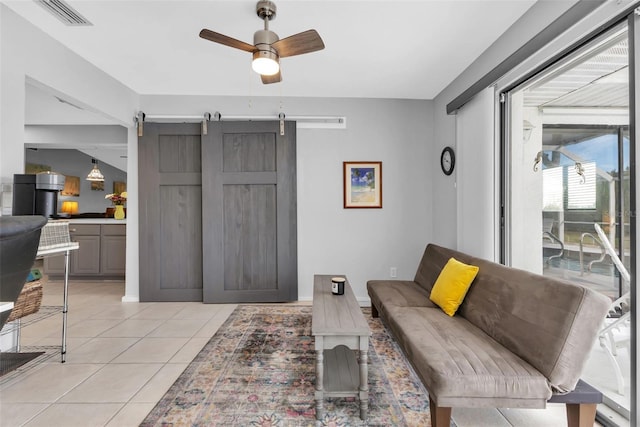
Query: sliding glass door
[(567, 190)]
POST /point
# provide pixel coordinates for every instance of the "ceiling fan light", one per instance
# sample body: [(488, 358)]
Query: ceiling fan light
[(265, 63)]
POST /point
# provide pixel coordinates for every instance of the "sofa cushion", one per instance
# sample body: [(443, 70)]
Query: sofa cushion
[(452, 285), (462, 366), (433, 260), (401, 293), (549, 323)]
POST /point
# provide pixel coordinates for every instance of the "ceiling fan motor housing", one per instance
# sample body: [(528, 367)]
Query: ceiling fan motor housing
[(262, 40)]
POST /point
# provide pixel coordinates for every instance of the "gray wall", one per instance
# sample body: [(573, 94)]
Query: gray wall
[(361, 243), (75, 163)]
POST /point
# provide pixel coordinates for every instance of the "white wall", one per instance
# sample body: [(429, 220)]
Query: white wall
[(477, 174), (27, 54), (445, 188), (525, 189), (361, 243)]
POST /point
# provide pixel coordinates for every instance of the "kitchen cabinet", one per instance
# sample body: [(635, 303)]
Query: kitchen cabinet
[(87, 259), (102, 252), (113, 250)]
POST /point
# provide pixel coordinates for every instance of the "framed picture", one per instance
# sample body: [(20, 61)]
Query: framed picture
[(97, 185), (32, 168), (71, 186), (119, 187), (362, 184)]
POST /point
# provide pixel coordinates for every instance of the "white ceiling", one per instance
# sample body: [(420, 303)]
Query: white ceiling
[(46, 108), (374, 49)]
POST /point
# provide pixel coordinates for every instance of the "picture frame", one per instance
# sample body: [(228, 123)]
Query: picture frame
[(33, 168), (119, 187), (71, 186), (362, 182), (97, 185)]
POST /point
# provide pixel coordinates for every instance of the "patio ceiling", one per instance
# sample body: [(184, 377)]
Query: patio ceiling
[(598, 78)]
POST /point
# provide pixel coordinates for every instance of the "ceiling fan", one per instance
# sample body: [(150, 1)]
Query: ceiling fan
[(268, 48)]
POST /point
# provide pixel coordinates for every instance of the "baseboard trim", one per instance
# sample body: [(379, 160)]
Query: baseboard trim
[(362, 301)]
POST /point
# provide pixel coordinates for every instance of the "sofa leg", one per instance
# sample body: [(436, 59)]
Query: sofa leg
[(581, 414), (374, 311), (440, 415)]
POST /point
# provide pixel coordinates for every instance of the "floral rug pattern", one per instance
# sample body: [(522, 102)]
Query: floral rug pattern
[(259, 370)]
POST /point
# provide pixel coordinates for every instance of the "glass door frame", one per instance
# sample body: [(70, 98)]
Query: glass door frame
[(633, 22), (504, 130)]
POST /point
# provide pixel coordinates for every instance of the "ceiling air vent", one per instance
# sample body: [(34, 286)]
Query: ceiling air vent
[(64, 12)]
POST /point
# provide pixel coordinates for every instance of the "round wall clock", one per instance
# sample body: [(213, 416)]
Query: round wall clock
[(447, 160)]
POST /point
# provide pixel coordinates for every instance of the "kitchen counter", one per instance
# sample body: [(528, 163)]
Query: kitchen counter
[(102, 249), (96, 221)]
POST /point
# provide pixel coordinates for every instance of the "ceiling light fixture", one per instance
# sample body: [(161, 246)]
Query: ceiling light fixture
[(268, 48), (265, 63), (95, 174)]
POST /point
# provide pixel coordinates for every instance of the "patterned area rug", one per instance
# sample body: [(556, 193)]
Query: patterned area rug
[(259, 370)]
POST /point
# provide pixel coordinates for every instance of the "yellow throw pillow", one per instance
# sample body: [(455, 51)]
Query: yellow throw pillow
[(452, 285)]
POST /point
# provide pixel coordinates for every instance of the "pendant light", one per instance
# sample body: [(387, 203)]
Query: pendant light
[(95, 174)]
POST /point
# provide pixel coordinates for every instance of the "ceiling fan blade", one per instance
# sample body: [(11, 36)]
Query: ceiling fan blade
[(226, 40), (272, 79), (297, 44)]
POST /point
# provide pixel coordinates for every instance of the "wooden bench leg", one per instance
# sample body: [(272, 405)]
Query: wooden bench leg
[(440, 415), (374, 311), (581, 414)]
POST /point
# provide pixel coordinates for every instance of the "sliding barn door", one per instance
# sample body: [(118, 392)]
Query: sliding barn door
[(249, 212), (170, 212)]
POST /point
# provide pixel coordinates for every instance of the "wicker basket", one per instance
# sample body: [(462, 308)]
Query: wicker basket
[(28, 302)]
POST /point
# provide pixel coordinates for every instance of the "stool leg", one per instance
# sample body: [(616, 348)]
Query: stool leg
[(18, 335)]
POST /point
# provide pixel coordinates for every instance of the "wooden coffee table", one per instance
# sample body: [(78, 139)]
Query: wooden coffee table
[(339, 327)]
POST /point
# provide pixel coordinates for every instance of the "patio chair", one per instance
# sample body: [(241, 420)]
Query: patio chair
[(616, 333), (547, 227)]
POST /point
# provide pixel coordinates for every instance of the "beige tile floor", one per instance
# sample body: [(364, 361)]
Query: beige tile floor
[(123, 357)]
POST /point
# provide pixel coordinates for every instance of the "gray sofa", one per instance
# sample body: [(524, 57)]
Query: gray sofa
[(517, 339)]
